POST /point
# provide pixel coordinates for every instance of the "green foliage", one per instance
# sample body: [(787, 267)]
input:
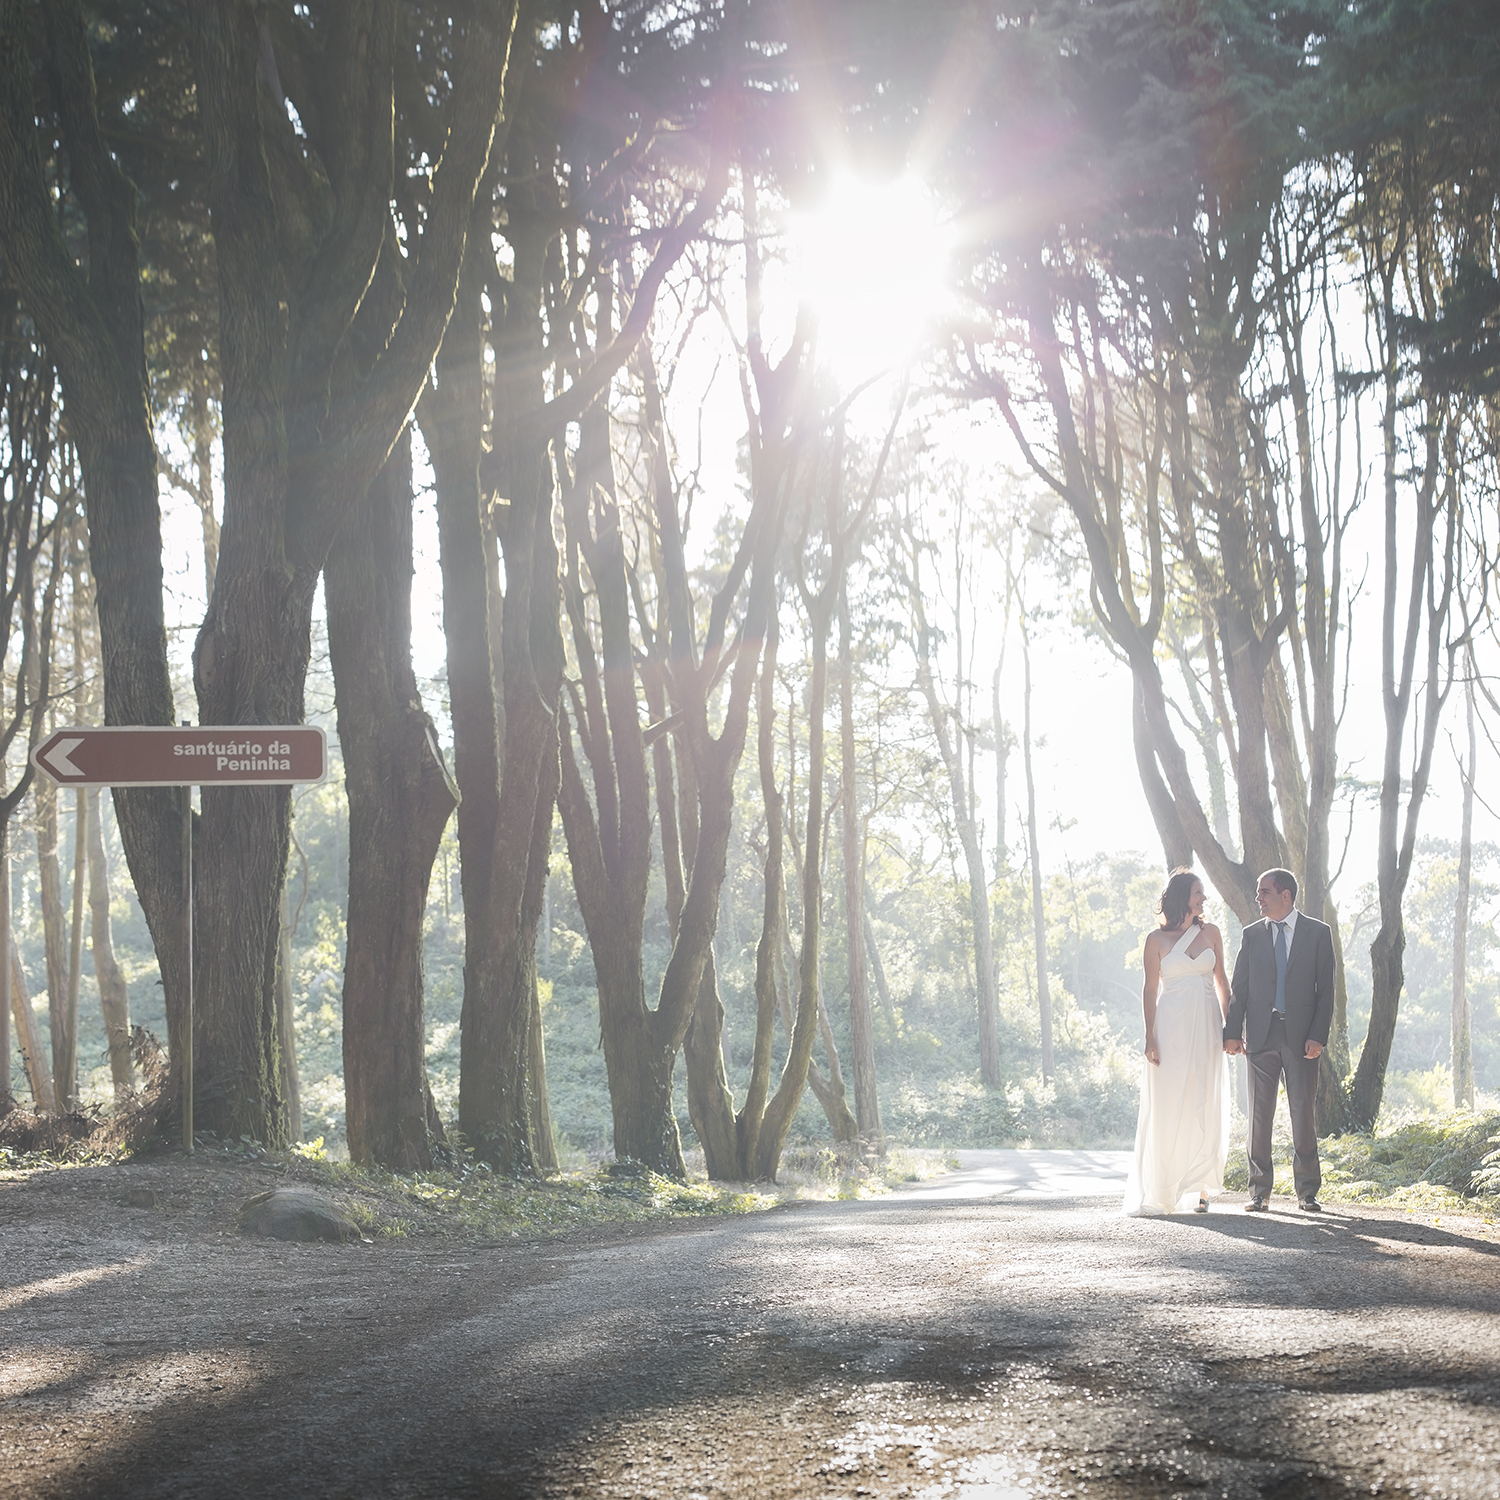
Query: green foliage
[(1436, 1163)]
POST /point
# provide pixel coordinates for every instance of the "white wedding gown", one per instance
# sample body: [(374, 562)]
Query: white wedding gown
[(1182, 1137)]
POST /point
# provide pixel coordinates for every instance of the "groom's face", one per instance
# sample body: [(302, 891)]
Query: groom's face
[(1274, 905)]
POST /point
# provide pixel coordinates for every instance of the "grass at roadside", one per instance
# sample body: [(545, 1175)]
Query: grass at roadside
[(472, 1200), (464, 1199), (1450, 1164)]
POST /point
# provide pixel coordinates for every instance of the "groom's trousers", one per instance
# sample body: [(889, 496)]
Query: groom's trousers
[(1266, 1069)]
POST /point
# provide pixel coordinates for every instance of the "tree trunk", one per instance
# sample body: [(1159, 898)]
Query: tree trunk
[(609, 834), (400, 798), (26, 1038), (286, 1024), (55, 947), (638, 1061), (641, 1102), (710, 1102), (17, 1001), (1429, 590), (1333, 1099), (861, 1021), (75, 931), (768, 995), (968, 837), (504, 665), (543, 1140), (1002, 754), (827, 1089), (114, 998), (762, 1127), (779, 1112), (93, 327), (29, 1038), (7, 990), (1462, 1043), (1038, 916), (533, 903), (474, 613), (1315, 646), (1176, 846), (877, 968), (323, 354)]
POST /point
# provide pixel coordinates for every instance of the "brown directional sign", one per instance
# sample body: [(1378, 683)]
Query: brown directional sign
[(160, 755)]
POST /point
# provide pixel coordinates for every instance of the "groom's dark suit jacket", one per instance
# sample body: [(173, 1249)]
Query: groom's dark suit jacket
[(1309, 984)]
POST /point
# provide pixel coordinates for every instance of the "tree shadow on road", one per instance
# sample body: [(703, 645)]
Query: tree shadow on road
[(1376, 1234), (493, 1383)]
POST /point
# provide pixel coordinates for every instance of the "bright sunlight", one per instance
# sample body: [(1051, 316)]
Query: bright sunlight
[(872, 262)]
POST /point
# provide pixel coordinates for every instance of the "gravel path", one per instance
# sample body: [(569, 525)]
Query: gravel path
[(995, 1335)]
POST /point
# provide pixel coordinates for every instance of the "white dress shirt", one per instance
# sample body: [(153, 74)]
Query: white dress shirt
[(1291, 927)]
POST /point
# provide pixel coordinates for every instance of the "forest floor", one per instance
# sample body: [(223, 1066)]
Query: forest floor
[(997, 1334)]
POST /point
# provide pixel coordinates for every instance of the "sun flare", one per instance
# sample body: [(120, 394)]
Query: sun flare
[(872, 262)]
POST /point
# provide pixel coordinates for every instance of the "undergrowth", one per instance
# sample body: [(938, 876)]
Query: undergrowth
[(467, 1198), (464, 1198), (1451, 1163)]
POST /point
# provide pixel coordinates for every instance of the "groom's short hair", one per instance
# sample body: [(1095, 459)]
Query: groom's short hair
[(1283, 880)]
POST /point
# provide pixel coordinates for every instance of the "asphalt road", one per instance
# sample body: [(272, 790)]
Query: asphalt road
[(1000, 1334)]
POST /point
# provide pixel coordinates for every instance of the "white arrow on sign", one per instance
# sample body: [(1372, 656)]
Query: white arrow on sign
[(57, 758)]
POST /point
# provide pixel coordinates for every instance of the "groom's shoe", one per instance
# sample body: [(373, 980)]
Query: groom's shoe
[(1310, 1205), (1258, 1204)]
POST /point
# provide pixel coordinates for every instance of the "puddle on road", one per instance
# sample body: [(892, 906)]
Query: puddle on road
[(992, 1477), (870, 1448)]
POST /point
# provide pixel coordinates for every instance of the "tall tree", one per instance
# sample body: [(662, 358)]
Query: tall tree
[(1142, 348), (1416, 658), (300, 211), (1419, 118), (114, 995), (828, 1088), (570, 173), (37, 510), (609, 835), (1461, 1038), (853, 828), (307, 426), (400, 798), (1033, 844), (952, 730), (87, 306)]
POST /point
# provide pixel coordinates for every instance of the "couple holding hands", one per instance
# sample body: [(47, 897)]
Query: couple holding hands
[(1276, 1010)]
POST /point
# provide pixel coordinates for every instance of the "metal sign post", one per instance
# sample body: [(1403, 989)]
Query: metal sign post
[(163, 755), (187, 908)]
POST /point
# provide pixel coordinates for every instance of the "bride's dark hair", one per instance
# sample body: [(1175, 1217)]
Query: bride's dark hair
[(1173, 905)]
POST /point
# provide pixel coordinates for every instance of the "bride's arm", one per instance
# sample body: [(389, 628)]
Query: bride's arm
[(1221, 978), (1151, 963)]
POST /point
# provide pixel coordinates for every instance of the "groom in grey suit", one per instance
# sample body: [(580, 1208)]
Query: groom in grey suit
[(1280, 1009)]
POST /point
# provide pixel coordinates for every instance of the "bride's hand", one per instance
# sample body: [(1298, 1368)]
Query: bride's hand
[(1153, 1052)]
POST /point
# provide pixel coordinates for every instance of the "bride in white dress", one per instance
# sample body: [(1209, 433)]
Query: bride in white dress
[(1182, 1138)]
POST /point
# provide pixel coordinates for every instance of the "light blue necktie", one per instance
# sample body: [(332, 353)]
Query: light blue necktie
[(1280, 1006)]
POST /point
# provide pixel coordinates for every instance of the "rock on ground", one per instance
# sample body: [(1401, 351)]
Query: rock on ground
[(295, 1213)]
